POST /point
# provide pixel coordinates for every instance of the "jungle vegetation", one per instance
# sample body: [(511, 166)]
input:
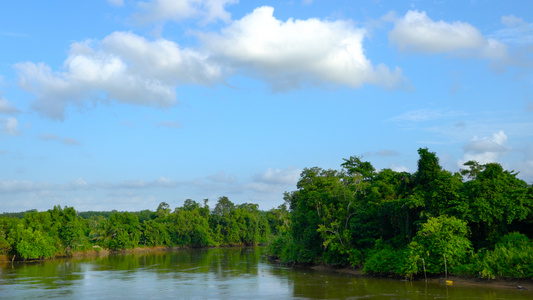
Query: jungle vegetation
[(477, 222), (62, 231)]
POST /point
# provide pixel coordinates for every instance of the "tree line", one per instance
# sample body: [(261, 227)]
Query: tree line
[(477, 222), (63, 231)]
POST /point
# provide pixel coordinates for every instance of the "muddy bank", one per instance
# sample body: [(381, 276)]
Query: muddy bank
[(526, 284)]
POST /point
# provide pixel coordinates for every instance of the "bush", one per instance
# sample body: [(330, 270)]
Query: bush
[(441, 238), (385, 260), (512, 257)]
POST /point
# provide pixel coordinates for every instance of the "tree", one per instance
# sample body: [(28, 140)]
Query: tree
[(163, 210), (355, 166), (31, 244), (155, 234), (496, 198), (121, 231), (224, 207), (441, 240)]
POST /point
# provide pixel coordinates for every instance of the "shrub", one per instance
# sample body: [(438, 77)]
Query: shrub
[(512, 257), (441, 238)]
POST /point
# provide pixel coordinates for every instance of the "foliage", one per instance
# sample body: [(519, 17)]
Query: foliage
[(396, 223), (512, 257), (31, 244), (155, 234), (385, 260), (120, 231), (495, 199), (442, 241), (61, 231)]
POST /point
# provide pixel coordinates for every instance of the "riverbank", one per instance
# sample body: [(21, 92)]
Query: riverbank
[(525, 284)]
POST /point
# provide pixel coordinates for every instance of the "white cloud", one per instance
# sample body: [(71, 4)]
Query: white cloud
[(416, 32), (17, 186), (516, 31), (298, 52), (122, 67), (275, 180), (397, 168), (9, 126), (288, 175), (116, 2), (222, 177), (486, 149), (178, 10), (6, 107)]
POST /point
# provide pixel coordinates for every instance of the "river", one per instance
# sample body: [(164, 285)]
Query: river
[(218, 273)]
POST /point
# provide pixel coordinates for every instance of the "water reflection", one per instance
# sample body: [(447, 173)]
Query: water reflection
[(222, 273)]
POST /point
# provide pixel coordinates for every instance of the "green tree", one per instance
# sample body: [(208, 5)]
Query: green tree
[(120, 231), (155, 234), (163, 210), (496, 198), (190, 228), (441, 239), (31, 244)]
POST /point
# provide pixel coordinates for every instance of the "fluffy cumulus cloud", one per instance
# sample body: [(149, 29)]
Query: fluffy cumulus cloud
[(416, 32), (485, 150), (399, 168), (294, 53), (6, 107), (178, 10), (122, 67), (9, 126), (275, 180)]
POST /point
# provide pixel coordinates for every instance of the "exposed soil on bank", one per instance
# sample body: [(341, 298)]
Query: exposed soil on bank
[(525, 284)]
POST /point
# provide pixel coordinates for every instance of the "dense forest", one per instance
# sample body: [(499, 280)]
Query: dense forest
[(478, 222), (63, 231)]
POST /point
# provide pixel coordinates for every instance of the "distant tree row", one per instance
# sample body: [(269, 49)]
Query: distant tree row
[(61, 231), (478, 221)]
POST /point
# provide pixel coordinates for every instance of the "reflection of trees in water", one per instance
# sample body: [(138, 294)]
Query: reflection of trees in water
[(222, 262), (50, 274)]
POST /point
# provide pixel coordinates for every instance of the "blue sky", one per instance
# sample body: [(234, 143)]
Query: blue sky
[(125, 104)]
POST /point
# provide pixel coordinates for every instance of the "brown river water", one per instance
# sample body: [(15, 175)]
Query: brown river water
[(217, 273)]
